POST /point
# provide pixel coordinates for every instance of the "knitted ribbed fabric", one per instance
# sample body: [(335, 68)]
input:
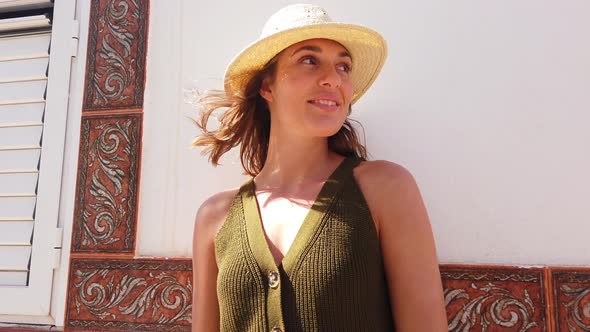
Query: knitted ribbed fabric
[(331, 279)]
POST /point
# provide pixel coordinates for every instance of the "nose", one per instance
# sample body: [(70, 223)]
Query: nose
[(330, 77)]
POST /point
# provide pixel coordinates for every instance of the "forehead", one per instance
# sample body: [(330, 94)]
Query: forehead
[(320, 44)]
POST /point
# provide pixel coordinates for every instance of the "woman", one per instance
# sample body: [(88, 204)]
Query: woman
[(319, 239)]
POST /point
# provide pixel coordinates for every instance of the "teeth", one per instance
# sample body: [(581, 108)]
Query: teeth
[(325, 102)]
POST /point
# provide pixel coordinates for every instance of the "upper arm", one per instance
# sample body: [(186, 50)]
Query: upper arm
[(408, 249), (208, 221)]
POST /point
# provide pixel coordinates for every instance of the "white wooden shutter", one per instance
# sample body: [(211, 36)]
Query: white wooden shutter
[(23, 80), (34, 80)]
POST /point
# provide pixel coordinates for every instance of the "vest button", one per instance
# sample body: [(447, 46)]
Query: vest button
[(276, 329), (273, 281)]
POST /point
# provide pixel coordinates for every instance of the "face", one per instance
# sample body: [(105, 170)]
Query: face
[(311, 90)]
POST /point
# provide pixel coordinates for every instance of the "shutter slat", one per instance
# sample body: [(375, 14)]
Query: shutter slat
[(22, 101), (24, 47), (19, 159), (23, 90), (16, 232), (15, 219), (17, 207), (20, 148), (22, 112), (25, 24), (20, 135), (18, 171), (20, 124), (36, 67), (13, 278), (17, 195), (14, 5), (23, 79), (14, 257), (18, 183)]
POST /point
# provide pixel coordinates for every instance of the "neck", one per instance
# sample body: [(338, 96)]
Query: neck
[(292, 163)]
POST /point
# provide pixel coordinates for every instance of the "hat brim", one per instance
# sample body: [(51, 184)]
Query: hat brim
[(367, 48)]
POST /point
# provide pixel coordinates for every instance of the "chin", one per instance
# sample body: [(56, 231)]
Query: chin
[(324, 126), (325, 131)]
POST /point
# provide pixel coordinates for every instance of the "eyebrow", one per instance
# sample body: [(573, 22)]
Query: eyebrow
[(319, 50)]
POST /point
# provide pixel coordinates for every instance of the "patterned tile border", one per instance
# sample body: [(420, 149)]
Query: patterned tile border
[(494, 298), (132, 295), (571, 294), (108, 175), (156, 295), (117, 43)]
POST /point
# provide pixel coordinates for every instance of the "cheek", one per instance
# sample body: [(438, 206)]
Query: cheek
[(288, 85), (347, 89), (283, 76)]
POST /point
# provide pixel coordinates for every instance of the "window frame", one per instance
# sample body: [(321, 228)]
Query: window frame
[(32, 303)]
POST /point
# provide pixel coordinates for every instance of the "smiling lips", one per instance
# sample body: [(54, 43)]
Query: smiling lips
[(328, 104)]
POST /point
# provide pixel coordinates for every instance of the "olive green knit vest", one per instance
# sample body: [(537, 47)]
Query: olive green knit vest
[(331, 279)]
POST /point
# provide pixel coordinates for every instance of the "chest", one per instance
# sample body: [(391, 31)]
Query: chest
[(281, 219), (333, 269)]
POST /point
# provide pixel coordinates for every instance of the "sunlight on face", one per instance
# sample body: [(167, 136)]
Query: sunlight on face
[(311, 92)]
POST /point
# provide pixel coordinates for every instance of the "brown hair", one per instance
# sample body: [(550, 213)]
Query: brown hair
[(246, 121)]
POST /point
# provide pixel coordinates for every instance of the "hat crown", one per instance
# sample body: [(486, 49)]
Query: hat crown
[(295, 16)]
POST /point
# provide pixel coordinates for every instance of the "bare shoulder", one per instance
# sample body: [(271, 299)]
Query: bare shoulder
[(213, 211), (384, 185), (380, 170)]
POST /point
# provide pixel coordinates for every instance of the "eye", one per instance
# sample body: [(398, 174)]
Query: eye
[(345, 67), (308, 60)]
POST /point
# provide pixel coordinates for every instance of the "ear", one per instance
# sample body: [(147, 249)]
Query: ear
[(265, 90)]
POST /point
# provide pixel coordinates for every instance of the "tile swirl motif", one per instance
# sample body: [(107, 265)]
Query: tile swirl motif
[(491, 299), (105, 210), (572, 299), (147, 295), (116, 54)]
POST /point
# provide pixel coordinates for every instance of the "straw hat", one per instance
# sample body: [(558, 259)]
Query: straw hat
[(300, 22)]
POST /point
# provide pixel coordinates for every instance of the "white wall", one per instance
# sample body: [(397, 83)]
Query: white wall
[(486, 102)]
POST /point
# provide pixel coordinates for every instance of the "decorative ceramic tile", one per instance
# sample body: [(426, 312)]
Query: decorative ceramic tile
[(115, 70), (106, 194), (494, 298), (571, 293), (132, 295)]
